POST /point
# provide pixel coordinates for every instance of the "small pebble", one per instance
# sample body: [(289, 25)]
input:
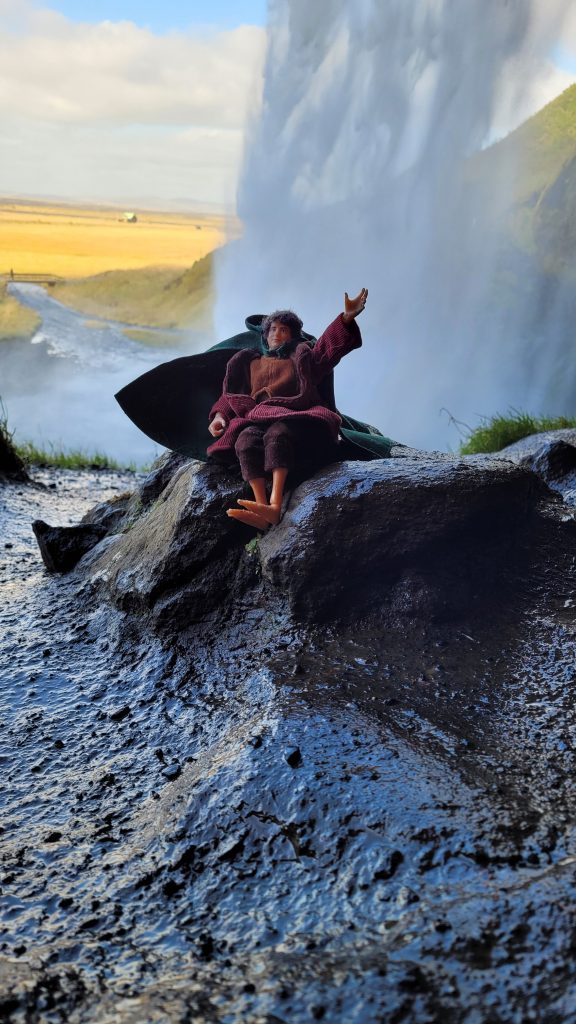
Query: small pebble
[(294, 757), (120, 713)]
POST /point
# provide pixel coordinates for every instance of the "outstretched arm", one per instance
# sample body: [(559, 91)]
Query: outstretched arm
[(341, 337)]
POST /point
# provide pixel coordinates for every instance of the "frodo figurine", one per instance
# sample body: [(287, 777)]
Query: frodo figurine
[(275, 412), (271, 414)]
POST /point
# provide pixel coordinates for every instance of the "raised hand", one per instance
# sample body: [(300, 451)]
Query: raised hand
[(352, 307)]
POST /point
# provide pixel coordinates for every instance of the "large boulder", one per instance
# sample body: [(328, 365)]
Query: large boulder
[(420, 537), (413, 537)]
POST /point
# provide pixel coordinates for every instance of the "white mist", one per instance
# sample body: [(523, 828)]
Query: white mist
[(354, 176)]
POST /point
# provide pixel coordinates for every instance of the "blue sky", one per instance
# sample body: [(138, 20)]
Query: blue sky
[(565, 58), (165, 16)]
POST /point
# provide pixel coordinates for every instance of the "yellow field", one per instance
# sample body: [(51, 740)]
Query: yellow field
[(74, 241)]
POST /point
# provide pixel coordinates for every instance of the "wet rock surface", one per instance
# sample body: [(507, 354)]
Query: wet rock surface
[(62, 547), (552, 456), (244, 807), (423, 538)]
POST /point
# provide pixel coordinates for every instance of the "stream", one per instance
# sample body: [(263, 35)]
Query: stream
[(58, 389)]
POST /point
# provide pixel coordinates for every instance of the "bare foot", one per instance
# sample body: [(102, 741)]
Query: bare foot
[(250, 518), (271, 513)]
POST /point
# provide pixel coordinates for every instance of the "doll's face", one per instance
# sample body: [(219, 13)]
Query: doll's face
[(278, 335)]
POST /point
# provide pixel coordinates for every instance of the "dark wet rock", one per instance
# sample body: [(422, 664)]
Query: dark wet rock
[(124, 509), (180, 557), (119, 714), (403, 451), (294, 757), (416, 862), (162, 472), (53, 837), (423, 538), (11, 465), (531, 445), (111, 515), (552, 456), (62, 547)]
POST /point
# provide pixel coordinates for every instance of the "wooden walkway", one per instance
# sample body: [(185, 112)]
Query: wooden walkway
[(49, 279)]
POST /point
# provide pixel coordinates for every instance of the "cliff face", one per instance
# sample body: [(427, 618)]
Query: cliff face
[(325, 774)]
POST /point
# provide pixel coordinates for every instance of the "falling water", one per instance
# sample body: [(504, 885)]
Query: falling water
[(356, 174)]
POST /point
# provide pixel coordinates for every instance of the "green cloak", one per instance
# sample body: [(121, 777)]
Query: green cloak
[(172, 402)]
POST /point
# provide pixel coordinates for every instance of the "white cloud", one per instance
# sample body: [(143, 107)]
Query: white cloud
[(534, 75), (51, 67), (87, 96)]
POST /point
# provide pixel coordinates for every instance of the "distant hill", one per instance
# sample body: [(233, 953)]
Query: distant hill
[(534, 155), (533, 171), (153, 296)]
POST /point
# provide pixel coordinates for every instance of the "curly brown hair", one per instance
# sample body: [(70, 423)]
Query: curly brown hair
[(282, 316)]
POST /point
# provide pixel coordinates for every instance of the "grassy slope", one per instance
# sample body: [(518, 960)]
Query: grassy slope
[(15, 320), (153, 297), (535, 153)]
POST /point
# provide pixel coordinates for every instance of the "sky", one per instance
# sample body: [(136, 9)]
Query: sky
[(164, 17), (145, 103), (138, 103)]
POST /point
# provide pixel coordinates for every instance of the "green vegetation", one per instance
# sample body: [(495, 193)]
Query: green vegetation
[(151, 297), (498, 432), (16, 321), (58, 458), (534, 155), (10, 461), (30, 454)]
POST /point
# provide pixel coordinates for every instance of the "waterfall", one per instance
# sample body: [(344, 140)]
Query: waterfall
[(357, 173)]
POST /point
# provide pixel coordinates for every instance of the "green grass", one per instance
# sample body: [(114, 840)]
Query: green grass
[(498, 432), (151, 297), (58, 458), (531, 157)]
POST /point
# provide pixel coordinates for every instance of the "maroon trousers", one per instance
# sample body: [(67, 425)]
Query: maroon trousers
[(282, 444)]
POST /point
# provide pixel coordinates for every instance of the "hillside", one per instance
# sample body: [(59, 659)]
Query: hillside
[(534, 155), (152, 296)]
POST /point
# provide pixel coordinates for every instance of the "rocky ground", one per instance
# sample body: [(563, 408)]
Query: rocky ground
[(326, 775)]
